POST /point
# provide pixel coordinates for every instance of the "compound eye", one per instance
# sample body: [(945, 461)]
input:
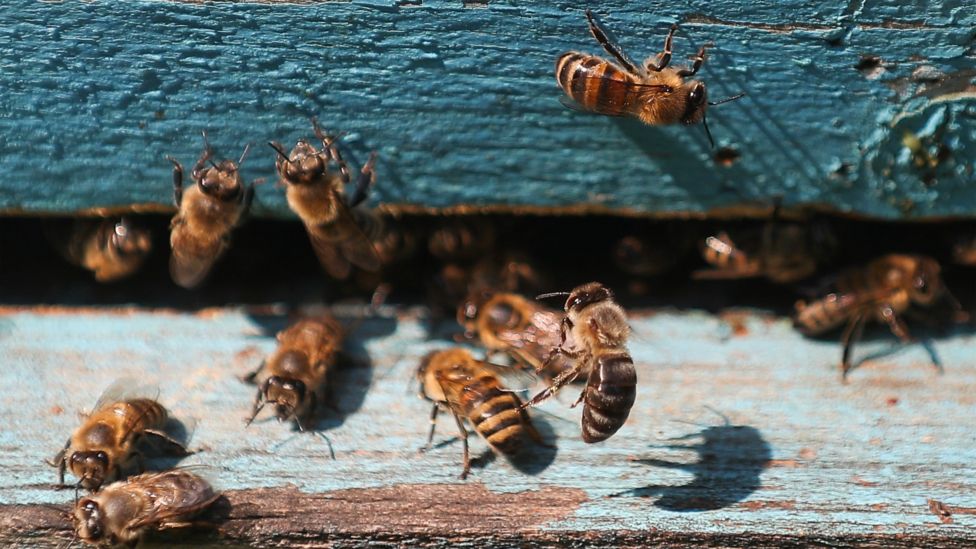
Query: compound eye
[(101, 456)]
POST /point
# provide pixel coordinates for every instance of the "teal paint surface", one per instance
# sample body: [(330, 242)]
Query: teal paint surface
[(800, 452), (463, 107)]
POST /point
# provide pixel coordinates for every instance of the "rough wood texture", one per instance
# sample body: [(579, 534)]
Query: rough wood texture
[(461, 102), (801, 458)]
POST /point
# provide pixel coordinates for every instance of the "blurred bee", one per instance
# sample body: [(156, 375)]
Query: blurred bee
[(295, 379), (508, 323), (472, 390), (112, 249), (461, 240), (124, 511), (113, 437), (882, 290), (654, 93), (208, 212), (781, 252), (315, 193), (964, 249), (644, 256), (594, 335)]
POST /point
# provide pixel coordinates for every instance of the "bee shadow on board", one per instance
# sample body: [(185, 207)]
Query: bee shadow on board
[(160, 455), (534, 458), (729, 465)]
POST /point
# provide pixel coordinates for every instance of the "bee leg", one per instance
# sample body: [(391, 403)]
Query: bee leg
[(895, 324), (663, 58), (61, 463), (249, 378), (852, 333), (205, 156), (177, 181), (367, 176), (563, 378), (247, 199), (258, 405), (580, 399), (464, 439), (433, 425), (695, 64), (612, 48)]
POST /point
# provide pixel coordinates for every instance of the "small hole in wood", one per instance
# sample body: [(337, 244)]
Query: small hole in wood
[(726, 156), (871, 66)]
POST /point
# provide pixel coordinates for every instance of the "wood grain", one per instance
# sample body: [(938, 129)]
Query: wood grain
[(461, 102), (741, 436)]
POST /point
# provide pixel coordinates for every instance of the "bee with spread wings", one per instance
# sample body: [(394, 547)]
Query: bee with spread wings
[(654, 92), (315, 193)]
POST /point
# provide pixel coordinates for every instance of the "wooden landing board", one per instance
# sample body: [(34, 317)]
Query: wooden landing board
[(797, 458), (461, 102)]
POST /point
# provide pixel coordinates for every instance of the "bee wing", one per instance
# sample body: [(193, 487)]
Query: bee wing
[(610, 105), (357, 246), (534, 342), (343, 242), (328, 253), (174, 494), (125, 388), (189, 269)]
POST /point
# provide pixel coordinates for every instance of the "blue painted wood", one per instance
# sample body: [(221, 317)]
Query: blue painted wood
[(801, 453), (462, 104)]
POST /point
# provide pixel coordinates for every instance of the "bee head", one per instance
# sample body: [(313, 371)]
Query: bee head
[(697, 101), (587, 294), (287, 395), (88, 520), (222, 181), (926, 282), (305, 164), (91, 468), (128, 240)]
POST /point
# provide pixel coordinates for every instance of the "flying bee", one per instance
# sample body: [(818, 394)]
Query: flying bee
[(506, 322), (295, 378), (594, 335), (472, 390), (654, 93), (113, 437), (112, 249), (882, 290), (124, 511), (315, 193), (208, 212)]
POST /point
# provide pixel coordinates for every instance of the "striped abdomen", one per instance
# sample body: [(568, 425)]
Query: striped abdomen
[(609, 395), (495, 414), (140, 414), (824, 314), (596, 84)]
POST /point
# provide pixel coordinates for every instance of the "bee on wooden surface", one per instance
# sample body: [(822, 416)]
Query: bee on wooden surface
[(111, 249), (472, 390), (506, 322), (124, 511), (882, 290), (315, 194), (112, 438), (654, 93), (594, 335), (208, 212), (294, 380)]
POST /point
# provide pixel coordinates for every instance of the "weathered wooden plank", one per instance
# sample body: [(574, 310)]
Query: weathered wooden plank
[(801, 458), (461, 102)]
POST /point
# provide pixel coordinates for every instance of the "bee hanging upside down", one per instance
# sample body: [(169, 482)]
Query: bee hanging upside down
[(123, 512), (654, 93), (112, 249), (208, 212), (315, 194), (882, 290)]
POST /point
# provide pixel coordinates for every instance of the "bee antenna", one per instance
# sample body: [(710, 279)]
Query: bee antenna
[(727, 99), (552, 294), (708, 132), (247, 148), (280, 151)]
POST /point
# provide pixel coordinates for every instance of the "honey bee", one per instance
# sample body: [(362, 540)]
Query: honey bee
[(462, 240), (111, 249), (124, 511), (315, 193), (964, 249), (594, 335), (208, 212), (654, 93), (472, 390), (882, 290), (506, 322), (295, 378), (112, 438)]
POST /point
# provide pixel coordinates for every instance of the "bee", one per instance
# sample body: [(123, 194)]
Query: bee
[(315, 193), (462, 240), (124, 511), (506, 322), (112, 438), (472, 390), (112, 249), (594, 335), (207, 213), (654, 93), (882, 290), (964, 249), (295, 378)]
